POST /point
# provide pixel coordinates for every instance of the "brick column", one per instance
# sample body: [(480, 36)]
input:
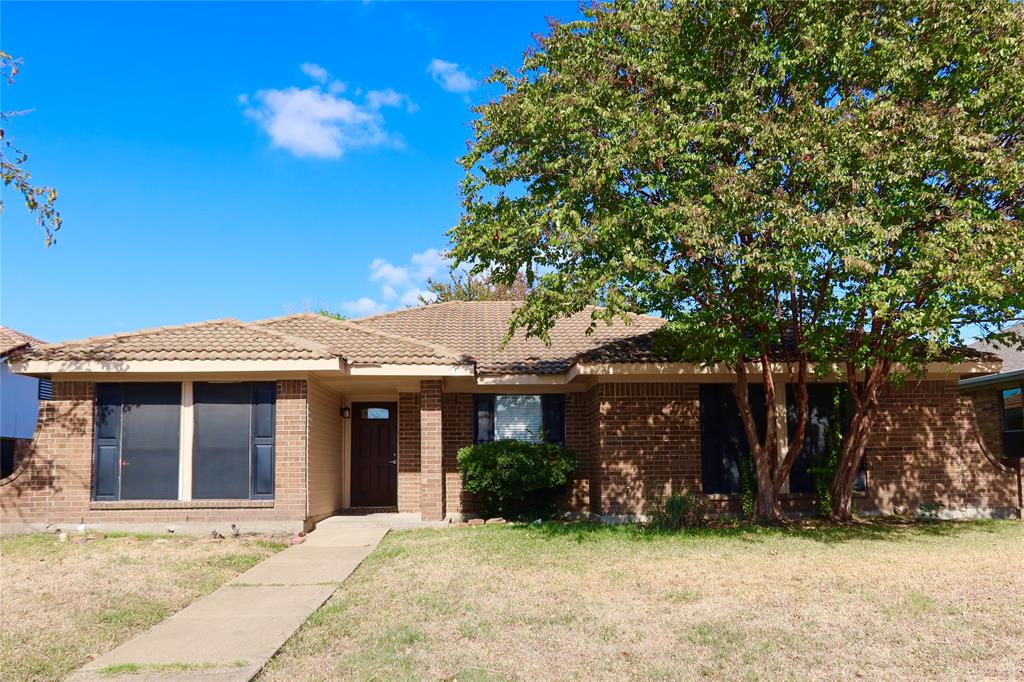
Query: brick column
[(431, 451)]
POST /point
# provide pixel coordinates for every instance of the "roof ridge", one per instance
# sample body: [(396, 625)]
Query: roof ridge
[(389, 313), (443, 351), (298, 341), (139, 332)]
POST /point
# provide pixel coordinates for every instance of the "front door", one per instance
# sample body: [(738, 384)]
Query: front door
[(374, 454)]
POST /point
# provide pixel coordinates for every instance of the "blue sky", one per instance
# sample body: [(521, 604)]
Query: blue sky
[(242, 159)]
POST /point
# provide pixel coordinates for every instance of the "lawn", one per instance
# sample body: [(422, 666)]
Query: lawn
[(879, 601), (64, 603)]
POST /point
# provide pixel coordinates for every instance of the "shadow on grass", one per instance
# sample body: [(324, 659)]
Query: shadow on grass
[(888, 530)]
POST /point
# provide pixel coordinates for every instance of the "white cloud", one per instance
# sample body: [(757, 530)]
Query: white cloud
[(383, 271), (450, 77), (316, 72), (363, 306), (317, 122), (428, 263), (400, 285)]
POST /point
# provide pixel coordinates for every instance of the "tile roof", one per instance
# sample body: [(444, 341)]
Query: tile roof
[(225, 339), (1013, 358), (11, 340), (361, 345), (478, 328)]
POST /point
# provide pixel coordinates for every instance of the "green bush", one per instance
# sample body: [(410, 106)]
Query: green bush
[(514, 478), (678, 511)]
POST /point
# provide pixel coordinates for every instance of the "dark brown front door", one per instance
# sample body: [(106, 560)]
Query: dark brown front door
[(374, 454)]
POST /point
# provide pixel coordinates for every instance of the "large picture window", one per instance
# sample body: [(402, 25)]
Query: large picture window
[(1013, 422), (137, 435), (531, 418), (233, 441), (724, 448)]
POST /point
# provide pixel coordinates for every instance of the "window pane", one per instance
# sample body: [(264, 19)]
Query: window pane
[(376, 413), (723, 439), (151, 416), (517, 417), (1013, 409), (222, 441)]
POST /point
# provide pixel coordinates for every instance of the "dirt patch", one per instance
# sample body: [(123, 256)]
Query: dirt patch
[(925, 601), (65, 603)]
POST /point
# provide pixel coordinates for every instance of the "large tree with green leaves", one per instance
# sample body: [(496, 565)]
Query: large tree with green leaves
[(466, 286), (797, 187), (40, 200)]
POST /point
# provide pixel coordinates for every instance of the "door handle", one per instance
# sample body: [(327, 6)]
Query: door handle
[(395, 460)]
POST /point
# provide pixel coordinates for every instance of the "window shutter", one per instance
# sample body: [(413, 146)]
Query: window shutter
[(263, 398), (484, 422), (45, 389), (107, 466), (553, 418)]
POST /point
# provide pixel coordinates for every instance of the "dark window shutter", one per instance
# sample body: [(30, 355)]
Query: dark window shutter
[(263, 398), (107, 464), (553, 418), (45, 389), (150, 425), (483, 429)]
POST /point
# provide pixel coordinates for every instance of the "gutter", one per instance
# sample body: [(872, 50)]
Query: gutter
[(990, 379)]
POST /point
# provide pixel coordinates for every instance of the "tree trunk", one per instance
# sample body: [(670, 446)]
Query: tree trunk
[(765, 454), (854, 445)]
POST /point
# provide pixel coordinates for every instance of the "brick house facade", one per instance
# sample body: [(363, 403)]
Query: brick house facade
[(636, 431)]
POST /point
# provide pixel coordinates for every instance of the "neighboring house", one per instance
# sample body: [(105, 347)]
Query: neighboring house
[(19, 402), (999, 399), (282, 422)]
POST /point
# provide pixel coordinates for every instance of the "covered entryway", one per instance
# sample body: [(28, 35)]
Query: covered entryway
[(374, 454)]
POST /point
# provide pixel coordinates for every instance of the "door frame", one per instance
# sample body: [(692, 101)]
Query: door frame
[(354, 403)]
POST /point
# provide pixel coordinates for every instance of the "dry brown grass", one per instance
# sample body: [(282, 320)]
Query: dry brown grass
[(928, 601), (64, 603)]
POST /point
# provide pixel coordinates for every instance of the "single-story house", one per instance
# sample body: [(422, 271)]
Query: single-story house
[(278, 423), (999, 399), (19, 401)]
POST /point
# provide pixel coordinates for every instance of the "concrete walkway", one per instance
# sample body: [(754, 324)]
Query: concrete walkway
[(231, 634)]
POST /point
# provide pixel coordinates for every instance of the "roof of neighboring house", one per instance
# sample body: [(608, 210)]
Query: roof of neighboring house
[(225, 339), (12, 340), (361, 345), (478, 328), (1013, 358)]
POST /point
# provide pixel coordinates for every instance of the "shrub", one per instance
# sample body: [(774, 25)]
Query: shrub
[(514, 478), (677, 511)]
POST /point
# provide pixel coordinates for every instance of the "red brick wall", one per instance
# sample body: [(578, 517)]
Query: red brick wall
[(457, 433), (924, 450), (577, 439), (54, 486), (646, 442), (431, 450), (988, 407), (409, 498)]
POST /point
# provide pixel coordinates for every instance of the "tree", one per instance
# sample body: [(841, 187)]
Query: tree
[(797, 188), (465, 286), (39, 200)]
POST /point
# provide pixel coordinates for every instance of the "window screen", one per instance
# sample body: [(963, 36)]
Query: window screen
[(233, 441), (531, 418), (723, 442), (517, 417), (137, 435), (1013, 422)]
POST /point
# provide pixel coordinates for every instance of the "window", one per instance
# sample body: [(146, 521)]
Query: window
[(822, 419), (1013, 422), (376, 413), (723, 443), (233, 441), (532, 418), (137, 434)]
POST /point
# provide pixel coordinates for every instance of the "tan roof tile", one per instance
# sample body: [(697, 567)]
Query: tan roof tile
[(478, 328), (363, 345), (225, 339), (12, 340)]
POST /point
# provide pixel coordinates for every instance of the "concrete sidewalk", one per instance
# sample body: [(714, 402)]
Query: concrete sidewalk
[(232, 633)]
